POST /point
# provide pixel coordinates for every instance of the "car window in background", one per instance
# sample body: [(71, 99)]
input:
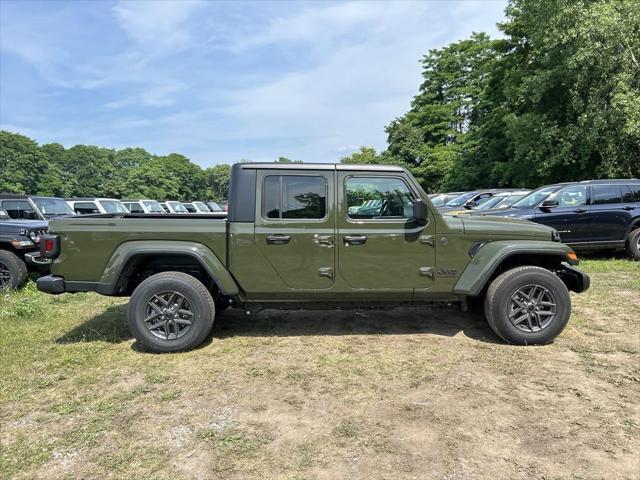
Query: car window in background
[(214, 207), (461, 200), (510, 200), (605, 194), (378, 198), (178, 207), (52, 207), (153, 206), (574, 196), (133, 207), (439, 200), (113, 206), (19, 210), (635, 190), (202, 206), (491, 202), (85, 208), (190, 208), (535, 197)]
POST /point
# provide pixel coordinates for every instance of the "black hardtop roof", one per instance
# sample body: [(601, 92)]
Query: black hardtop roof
[(319, 166)]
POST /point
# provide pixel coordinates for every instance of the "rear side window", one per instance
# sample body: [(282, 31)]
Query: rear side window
[(606, 194), (19, 210), (85, 208), (294, 196)]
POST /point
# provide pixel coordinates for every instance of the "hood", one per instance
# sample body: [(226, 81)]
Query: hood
[(505, 226), (19, 224), (504, 212)]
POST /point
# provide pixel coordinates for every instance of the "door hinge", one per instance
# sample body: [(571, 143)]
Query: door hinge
[(326, 272), (427, 272), (426, 240)]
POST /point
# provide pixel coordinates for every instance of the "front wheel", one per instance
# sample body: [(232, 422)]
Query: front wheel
[(633, 244), (528, 306), (170, 312), (13, 271)]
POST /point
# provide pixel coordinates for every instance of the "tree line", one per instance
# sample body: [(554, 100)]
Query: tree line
[(557, 98)]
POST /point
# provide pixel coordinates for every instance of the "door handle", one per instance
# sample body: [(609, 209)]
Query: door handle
[(278, 239), (628, 207), (355, 239), (579, 210)]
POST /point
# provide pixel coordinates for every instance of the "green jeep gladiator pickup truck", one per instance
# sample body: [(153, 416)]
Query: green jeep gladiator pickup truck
[(314, 236)]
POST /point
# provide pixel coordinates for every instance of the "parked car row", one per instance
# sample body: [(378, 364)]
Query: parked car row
[(24, 219), (588, 215)]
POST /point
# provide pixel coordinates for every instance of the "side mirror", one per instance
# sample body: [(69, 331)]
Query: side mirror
[(4, 215), (549, 203), (470, 204), (420, 211)]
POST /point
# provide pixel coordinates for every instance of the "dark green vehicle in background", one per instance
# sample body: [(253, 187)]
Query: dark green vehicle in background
[(296, 237)]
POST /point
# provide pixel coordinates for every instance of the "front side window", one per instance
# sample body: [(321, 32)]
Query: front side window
[(294, 196), (378, 198), (572, 196), (635, 192), (153, 206), (19, 210), (605, 194)]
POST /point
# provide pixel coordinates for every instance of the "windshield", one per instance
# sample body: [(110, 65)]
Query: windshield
[(491, 202), (113, 206), (201, 207), (153, 206), (535, 197), (177, 207), (510, 200), (214, 207), (461, 199), (52, 207)]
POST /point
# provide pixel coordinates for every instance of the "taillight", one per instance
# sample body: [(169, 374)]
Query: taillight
[(50, 246)]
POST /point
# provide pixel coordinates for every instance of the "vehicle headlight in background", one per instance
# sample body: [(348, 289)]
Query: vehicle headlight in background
[(34, 236), (555, 236)]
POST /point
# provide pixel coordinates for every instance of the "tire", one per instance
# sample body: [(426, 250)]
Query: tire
[(508, 294), (13, 271), (166, 330), (633, 244)]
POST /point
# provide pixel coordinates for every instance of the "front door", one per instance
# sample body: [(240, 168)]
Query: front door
[(295, 226), (571, 217), (380, 245)]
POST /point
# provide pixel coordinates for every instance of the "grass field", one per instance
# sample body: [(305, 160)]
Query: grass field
[(404, 394)]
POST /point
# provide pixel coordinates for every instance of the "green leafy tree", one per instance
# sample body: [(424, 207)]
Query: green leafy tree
[(217, 179), (21, 163)]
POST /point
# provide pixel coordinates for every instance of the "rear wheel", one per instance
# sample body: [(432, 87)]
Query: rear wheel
[(13, 271), (170, 312), (633, 244), (528, 306)]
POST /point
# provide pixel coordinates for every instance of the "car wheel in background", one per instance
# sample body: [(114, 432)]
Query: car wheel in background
[(170, 312), (633, 244), (527, 306), (13, 271)]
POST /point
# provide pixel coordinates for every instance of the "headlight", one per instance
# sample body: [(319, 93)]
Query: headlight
[(34, 236), (555, 236)]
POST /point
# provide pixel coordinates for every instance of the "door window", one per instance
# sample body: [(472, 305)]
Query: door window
[(572, 196), (85, 208), (605, 194), (19, 210), (134, 207), (378, 198), (635, 192), (294, 196)]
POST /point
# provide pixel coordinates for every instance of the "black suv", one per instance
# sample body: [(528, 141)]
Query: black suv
[(588, 215), (19, 250)]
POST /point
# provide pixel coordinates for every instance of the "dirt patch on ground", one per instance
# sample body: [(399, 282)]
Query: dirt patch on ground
[(404, 394)]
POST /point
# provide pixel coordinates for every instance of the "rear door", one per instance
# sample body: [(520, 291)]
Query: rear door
[(609, 217), (295, 225), (380, 246), (571, 216)]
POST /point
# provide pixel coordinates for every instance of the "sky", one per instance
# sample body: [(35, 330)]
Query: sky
[(222, 81)]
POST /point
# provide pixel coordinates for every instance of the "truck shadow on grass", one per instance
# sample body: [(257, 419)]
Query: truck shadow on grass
[(110, 325)]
